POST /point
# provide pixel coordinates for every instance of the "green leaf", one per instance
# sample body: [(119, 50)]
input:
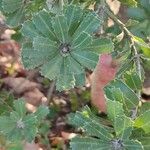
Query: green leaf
[(14, 19), (144, 139), (16, 11), (136, 13), (10, 6), (129, 2), (81, 41), (30, 129), (100, 45), (114, 109), (91, 126), (89, 143), (74, 15), (43, 23), (57, 52), (145, 107), (130, 99), (132, 145), (60, 27), (20, 126), (143, 121), (51, 69), (28, 29), (33, 58), (90, 24), (123, 127), (114, 94), (144, 46), (41, 112), (45, 45), (6, 124), (20, 108), (145, 4), (65, 82), (86, 58), (126, 65), (140, 42), (133, 80), (79, 79)]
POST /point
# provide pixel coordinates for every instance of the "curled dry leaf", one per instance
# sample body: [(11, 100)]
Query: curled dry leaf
[(20, 85)]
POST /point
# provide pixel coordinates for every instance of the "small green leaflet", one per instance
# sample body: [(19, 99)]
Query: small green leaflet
[(122, 124), (129, 98), (19, 125), (143, 121), (16, 11), (133, 80), (97, 136), (114, 109), (61, 48), (129, 2), (89, 143)]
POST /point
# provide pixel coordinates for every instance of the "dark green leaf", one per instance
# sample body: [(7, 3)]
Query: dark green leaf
[(60, 27), (132, 145), (89, 144), (20, 108), (133, 80)]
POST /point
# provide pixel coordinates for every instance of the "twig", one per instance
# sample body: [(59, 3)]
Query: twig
[(50, 92)]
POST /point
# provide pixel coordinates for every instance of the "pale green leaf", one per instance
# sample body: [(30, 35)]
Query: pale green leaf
[(143, 121), (141, 42)]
